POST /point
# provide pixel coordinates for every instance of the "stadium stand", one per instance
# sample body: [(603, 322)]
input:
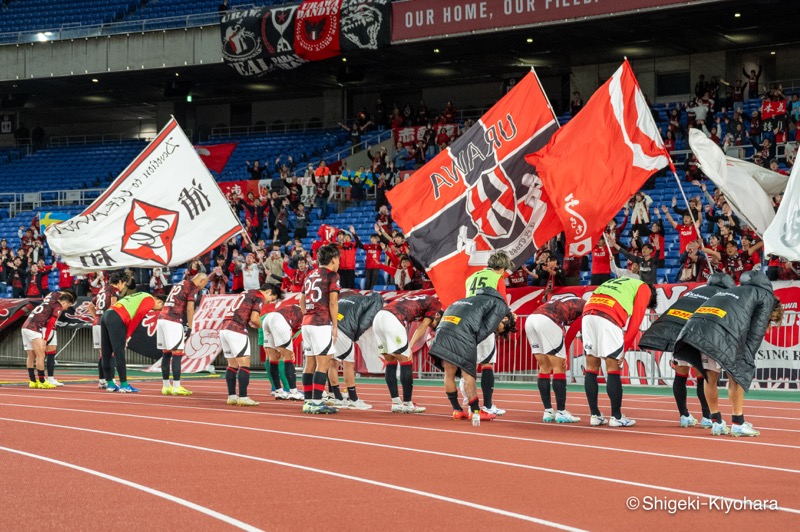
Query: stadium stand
[(28, 15)]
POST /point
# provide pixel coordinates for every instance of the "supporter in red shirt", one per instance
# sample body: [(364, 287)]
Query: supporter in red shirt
[(752, 251), (601, 263), (373, 262), (235, 269), (518, 278), (687, 231), (65, 279), (405, 276), (295, 277), (656, 239), (347, 259)]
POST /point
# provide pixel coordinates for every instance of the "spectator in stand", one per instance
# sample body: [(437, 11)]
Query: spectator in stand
[(669, 141), (675, 124), (640, 211), (401, 156), (734, 262), (33, 282), (218, 279), (752, 81), (16, 278), (687, 231), (294, 192), (576, 104), (726, 218), (443, 139), (714, 136), (701, 87), (429, 141), (518, 278), (696, 265), (251, 272), (752, 250), (755, 128), (44, 285), (355, 135), (422, 113), (254, 213), (357, 188), (223, 7), (404, 276), (601, 263), (397, 119), (695, 208), (273, 268), (158, 282), (396, 245), (65, 279), (383, 185), (773, 166), (321, 179), (235, 269), (647, 263), (373, 254), (296, 277), (255, 170), (384, 220), (547, 273), (380, 114), (300, 222), (449, 113), (347, 259)]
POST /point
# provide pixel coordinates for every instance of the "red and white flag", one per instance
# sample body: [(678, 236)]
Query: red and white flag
[(600, 158), (480, 195), (216, 156)]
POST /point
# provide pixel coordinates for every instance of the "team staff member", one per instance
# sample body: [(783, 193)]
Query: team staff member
[(490, 277), (725, 333), (38, 332), (390, 326), (170, 335), (105, 299), (279, 327), (319, 303), (545, 331), (116, 327), (462, 327), (356, 314), (612, 304), (245, 310), (662, 334)]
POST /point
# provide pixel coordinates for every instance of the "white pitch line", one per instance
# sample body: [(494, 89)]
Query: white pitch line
[(412, 491), (166, 496)]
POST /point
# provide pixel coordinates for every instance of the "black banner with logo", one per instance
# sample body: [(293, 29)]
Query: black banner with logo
[(365, 24)]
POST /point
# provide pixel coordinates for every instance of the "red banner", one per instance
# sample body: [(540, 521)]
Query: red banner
[(260, 189), (316, 33), (216, 156), (772, 109), (422, 19), (413, 134), (13, 310)]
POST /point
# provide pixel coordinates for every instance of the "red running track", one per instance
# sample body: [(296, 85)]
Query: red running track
[(188, 462)]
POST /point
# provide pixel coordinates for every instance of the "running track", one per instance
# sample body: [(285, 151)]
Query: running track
[(77, 457)]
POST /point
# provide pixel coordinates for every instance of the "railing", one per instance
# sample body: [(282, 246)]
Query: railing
[(25, 201), (99, 138), (260, 129)]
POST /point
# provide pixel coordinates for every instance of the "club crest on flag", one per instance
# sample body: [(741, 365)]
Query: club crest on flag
[(491, 204), (149, 232), (240, 44)]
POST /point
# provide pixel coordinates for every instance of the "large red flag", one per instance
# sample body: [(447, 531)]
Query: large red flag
[(480, 195), (600, 158), (215, 157)]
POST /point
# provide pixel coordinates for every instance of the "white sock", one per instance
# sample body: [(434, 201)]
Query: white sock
[(176, 384), (166, 383)]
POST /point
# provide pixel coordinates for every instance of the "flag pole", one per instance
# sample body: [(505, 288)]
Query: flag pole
[(686, 201)]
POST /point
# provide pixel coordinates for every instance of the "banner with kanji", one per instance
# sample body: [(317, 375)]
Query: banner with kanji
[(412, 134), (774, 116), (165, 209)]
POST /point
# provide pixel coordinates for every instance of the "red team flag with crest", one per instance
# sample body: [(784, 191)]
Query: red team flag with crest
[(600, 158), (216, 156), (480, 195)]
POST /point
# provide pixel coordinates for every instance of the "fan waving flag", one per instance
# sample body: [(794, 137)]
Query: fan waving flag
[(216, 156), (165, 209), (600, 158), (479, 195)]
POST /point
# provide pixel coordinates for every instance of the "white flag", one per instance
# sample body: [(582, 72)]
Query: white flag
[(740, 181), (782, 238), (165, 209)]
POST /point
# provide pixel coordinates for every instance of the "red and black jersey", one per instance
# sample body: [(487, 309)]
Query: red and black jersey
[(347, 260), (397, 250), (414, 308), (175, 305), (238, 316), (373, 253), (293, 316), (44, 315), (735, 265), (562, 311), (517, 279), (319, 286), (102, 301)]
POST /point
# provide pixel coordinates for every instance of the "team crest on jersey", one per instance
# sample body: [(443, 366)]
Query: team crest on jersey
[(149, 232)]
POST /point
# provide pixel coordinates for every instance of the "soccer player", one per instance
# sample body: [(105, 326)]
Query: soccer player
[(464, 325), (612, 304), (545, 331), (490, 277), (279, 327), (725, 333), (319, 303), (170, 335), (105, 298), (245, 310), (662, 334), (38, 332), (390, 326), (116, 327), (356, 314)]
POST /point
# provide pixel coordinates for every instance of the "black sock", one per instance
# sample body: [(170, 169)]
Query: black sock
[(176, 367), (318, 380), (308, 386), (41, 374), (337, 393), (290, 372), (701, 396), (50, 364), (474, 405), (166, 364), (391, 379), (543, 383), (275, 372), (453, 398), (590, 385), (738, 420), (230, 380), (716, 417), (614, 390), (32, 374), (101, 374), (351, 393), (679, 391), (560, 390), (244, 380), (487, 386), (407, 380)]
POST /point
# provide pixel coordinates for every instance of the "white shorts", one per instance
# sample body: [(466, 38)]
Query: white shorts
[(345, 350), (277, 332), (96, 337), (169, 335), (234, 344), (601, 337), (487, 350), (545, 336), (391, 335), (710, 364), (28, 336), (318, 340)]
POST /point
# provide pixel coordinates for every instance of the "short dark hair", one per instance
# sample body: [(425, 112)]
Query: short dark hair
[(648, 246), (274, 288), (67, 295), (159, 297), (326, 254), (116, 278)]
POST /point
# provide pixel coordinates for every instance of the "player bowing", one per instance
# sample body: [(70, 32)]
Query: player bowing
[(39, 331), (170, 335), (105, 298), (279, 327)]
